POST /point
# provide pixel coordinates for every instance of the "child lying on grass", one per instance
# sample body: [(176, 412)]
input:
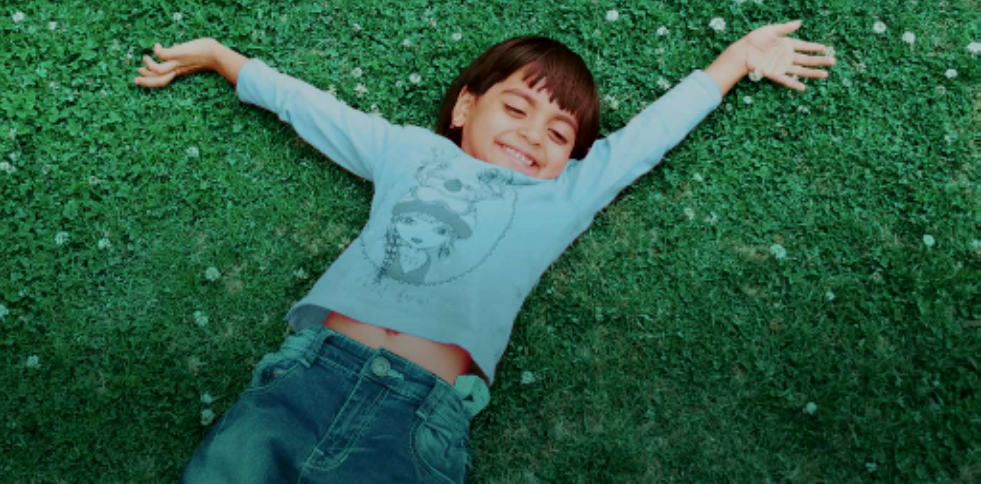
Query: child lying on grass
[(397, 343)]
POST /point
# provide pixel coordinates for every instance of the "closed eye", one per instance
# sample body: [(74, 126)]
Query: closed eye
[(513, 110), (559, 136)]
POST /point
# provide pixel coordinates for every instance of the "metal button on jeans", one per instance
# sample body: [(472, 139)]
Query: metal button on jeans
[(380, 366)]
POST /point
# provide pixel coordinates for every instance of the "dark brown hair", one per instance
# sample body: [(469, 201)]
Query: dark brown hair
[(567, 79)]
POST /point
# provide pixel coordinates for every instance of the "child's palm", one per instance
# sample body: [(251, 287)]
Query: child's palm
[(770, 53)]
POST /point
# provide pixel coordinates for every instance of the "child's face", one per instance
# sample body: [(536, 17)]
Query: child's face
[(517, 127)]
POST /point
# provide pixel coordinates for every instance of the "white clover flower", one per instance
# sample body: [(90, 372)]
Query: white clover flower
[(748, 100), (778, 251), (206, 398), (7, 167), (300, 273), (3, 311), (415, 78), (178, 16), (663, 83), (193, 152), (718, 24), (612, 16), (662, 31), (104, 243), (360, 90), (356, 27), (909, 37), (457, 36), (811, 408), (974, 47), (33, 361), (356, 72), (61, 238), (928, 240), (803, 109), (712, 218), (951, 73), (941, 90), (212, 274), (879, 27), (200, 319), (18, 17), (846, 82), (406, 43), (398, 84), (690, 213), (52, 25), (871, 467), (93, 180), (698, 177), (207, 416), (527, 377), (829, 295), (612, 102)]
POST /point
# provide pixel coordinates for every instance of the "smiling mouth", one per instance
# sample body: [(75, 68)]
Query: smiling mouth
[(518, 157)]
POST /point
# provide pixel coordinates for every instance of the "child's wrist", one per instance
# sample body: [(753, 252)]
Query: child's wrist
[(214, 53), (737, 57)]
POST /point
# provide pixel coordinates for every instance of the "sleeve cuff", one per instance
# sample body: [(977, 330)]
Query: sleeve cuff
[(708, 85)]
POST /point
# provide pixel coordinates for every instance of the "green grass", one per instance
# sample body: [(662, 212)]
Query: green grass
[(670, 342)]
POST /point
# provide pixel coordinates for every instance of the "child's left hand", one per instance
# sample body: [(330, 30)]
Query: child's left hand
[(771, 54)]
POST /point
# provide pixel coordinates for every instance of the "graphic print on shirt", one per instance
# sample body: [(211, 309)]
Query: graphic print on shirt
[(444, 226)]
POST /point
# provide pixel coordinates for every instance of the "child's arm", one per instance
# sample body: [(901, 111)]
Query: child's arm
[(616, 161), (352, 139)]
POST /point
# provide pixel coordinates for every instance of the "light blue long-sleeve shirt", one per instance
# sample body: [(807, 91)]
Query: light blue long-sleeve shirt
[(453, 244)]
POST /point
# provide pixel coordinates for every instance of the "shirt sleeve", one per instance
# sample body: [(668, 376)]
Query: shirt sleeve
[(353, 139), (616, 161)]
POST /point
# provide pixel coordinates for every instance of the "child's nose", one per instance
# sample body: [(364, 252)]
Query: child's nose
[(532, 133)]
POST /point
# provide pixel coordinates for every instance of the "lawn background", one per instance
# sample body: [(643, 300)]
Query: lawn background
[(797, 248)]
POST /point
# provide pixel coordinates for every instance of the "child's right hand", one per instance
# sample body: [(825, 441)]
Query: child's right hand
[(187, 58)]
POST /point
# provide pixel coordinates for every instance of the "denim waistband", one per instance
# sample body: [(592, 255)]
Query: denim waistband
[(458, 404)]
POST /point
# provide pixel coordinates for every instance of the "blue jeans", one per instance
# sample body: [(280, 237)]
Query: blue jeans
[(327, 408)]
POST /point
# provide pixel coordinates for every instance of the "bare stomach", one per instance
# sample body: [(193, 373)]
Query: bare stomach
[(446, 361)]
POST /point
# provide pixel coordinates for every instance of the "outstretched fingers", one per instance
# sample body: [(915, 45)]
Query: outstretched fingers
[(164, 68), (814, 60), (806, 46), (154, 80), (811, 73), (788, 81)]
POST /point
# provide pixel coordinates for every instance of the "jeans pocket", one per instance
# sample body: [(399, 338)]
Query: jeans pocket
[(441, 450), (275, 367)]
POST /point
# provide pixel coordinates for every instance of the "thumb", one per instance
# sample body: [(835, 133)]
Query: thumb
[(161, 53), (789, 27)]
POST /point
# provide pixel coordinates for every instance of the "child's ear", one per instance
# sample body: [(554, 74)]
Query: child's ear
[(461, 112)]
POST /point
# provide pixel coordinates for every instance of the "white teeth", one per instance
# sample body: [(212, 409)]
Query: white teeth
[(518, 155)]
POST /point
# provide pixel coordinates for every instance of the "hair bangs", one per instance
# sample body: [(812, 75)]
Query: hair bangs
[(565, 84)]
